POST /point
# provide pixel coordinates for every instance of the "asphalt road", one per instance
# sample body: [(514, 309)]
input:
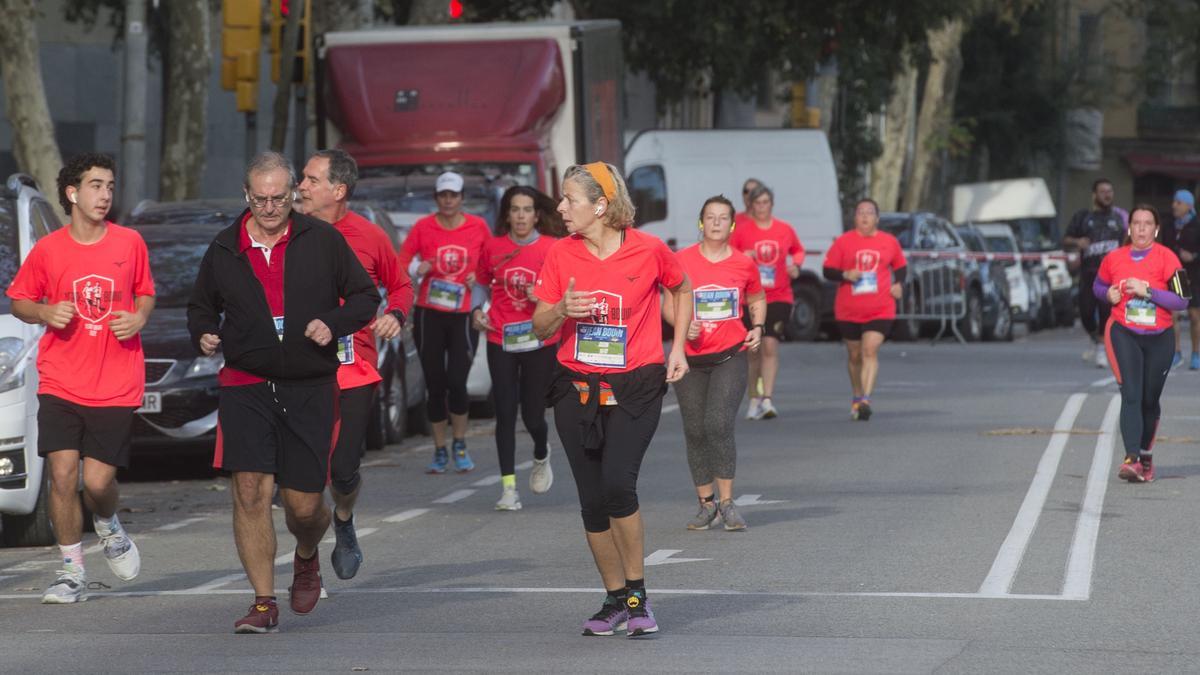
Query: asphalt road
[(954, 532)]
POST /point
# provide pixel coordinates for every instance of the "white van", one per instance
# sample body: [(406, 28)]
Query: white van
[(671, 172), (25, 217)]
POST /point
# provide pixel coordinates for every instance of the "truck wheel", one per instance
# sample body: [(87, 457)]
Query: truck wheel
[(804, 325), (32, 529)]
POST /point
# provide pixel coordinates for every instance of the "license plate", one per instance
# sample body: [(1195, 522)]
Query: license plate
[(151, 402)]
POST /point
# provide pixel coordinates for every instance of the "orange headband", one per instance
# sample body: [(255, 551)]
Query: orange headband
[(600, 173)]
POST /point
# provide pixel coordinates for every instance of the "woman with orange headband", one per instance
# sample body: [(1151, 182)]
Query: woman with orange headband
[(600, 287)]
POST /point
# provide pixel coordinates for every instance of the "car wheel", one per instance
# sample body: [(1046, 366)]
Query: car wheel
[(804, 325), (33, 529), (393, 407), (971, 325), (907, 330), (1002, 330)]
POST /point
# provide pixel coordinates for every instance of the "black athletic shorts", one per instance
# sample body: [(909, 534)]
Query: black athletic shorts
[(778, 315), (101, 433), (282, 429), (852, 331)]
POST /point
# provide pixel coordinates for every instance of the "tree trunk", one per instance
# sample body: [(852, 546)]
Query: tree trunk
[(34, 146), (283, 90), (887, 172), (937, 109), (189, 61), (428, 12), (338, 15)]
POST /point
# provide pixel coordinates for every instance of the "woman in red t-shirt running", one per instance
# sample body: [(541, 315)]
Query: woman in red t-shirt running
[(725, 285), (601, 287), (1142, 283), (520, 364), (869, 268)]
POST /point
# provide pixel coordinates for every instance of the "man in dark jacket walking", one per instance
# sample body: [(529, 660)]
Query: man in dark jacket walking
[(1182, 236), (274, 292)]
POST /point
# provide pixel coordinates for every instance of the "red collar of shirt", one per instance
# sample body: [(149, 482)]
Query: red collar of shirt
[(245, 242)]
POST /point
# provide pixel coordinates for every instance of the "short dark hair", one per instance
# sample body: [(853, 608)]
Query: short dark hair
[(750, 181), (549, 222), (760, 191), (1140, 207), (343, 169), (867, 200), (72, 174), (718, 199), (1100, 181)]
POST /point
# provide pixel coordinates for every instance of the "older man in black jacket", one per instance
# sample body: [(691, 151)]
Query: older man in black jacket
[(274, 292)]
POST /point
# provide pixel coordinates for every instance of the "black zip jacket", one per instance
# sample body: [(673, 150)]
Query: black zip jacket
[(320, 271)]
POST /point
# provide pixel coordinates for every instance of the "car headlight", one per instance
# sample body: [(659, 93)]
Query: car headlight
[(204, 366), (12, 374)]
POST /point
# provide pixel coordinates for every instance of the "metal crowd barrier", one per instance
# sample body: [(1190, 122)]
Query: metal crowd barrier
[(935, 289)]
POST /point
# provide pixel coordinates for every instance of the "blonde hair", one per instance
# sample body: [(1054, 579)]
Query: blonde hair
[(620, 211)]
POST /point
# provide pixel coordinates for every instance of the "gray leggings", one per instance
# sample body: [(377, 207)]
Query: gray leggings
[(709, 398)]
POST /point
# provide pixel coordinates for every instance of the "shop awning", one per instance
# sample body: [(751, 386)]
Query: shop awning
[(1185, 167)]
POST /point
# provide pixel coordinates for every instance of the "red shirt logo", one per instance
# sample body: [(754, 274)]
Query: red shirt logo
[(766, 251), (451, 259), (867, 260), (93, 297), (517, 281)]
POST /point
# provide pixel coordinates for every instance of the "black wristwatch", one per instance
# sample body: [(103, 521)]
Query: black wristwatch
[(399, 314), (760, 326)]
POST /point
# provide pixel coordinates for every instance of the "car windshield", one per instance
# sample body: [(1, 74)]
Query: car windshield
[(972, 240), (10, 249), (1037, 234), (175, 254), (1000, 244), (220, 212), (900, 228)]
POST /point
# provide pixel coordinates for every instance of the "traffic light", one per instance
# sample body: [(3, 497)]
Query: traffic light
[(241, 38), (280, 9)]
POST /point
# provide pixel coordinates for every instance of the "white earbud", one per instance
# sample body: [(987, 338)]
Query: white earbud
[(598, 210), (74, 199)]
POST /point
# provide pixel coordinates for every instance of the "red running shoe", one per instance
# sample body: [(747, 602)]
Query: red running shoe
[(306, 583), (1132, 471), (262, 618), (1148, 469)]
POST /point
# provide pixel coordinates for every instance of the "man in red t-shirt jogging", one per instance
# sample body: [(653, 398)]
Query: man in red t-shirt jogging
[(327, 185), (90, 285)]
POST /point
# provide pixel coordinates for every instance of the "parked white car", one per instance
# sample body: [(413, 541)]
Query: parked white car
[(1029, 288), (25, 217)]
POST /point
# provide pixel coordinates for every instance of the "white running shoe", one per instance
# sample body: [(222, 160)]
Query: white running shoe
[(509, 500), (767, 410), (1101, 358), (69, 587), (754, 411), (1089, 354), (119, 550), (542, 476)]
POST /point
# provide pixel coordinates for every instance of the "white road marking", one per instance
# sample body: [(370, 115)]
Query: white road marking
[(364, 532), (31, 565), (490, 480), (753, 500), (670, 408), (1104, 382), (1078, 584), (1004, 568), (7, 576), (405, 515), (182, 523), (663, 557), (217, 583), (457, 495), (525, 466)]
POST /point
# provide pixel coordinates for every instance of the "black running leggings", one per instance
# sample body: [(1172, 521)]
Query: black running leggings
[(607, 480), (1141, 363), (1093, 313), (446, 343), (354, 414), (520, 378)]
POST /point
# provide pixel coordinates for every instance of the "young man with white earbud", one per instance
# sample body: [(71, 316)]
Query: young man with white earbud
[(90, 285)]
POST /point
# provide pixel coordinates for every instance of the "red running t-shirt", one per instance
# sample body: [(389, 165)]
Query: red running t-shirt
[(1156, 268), (454, 254), (85, 363), (374, 250), (625, 330), (719, 294), (771, 248), (511, 268), (869, 298)]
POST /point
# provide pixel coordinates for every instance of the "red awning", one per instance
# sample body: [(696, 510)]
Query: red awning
[(1185, 167)]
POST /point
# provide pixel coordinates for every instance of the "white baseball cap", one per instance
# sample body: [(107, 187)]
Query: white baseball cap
[(449, 181)]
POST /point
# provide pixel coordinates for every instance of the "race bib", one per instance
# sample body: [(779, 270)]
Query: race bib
[(445, 294), (867, 283), (345, 349), (715, 304), (519, 337), (767, 273), (278, 327), (1140, 312), (598, 344)]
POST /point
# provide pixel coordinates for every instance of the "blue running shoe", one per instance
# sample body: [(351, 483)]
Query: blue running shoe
[(441, 459), (1178, 359), (1195, 365), (462, 459)]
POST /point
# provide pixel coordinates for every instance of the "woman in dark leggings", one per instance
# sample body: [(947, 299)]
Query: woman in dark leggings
[(520, 364), (1141, 281), (449, 244), (724, 285), (599, 288)]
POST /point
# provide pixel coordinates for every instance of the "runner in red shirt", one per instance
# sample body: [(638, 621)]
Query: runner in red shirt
[(449, 244), (725, 285), (869, 267), (328, 184), (773, 246), (90, 285), (1142, 282), (743, 217), (600, 286), (521, 365)]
